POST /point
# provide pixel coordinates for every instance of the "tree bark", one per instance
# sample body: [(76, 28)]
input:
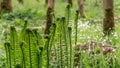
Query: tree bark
[(51, 4), (108, 21), (49, 14), (48, 21), (70, 2), (6, 6), (81, 8)]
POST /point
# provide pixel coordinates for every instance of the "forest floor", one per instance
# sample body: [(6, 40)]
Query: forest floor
[(35, 13)]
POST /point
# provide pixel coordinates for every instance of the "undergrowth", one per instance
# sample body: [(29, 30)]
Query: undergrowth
[(28, 48)]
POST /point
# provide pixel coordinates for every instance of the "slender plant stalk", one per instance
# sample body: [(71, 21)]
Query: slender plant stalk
[(8, 44), (29, 43), (12, 39), (38, 51), (41, 54), (23, 62), (68, 13), (76, 25), (52, 35), (58, 35), (60, 41), (47, 49), (6, 49), (48, 53), (65, 39), (38, 56), (69, 32), (61, 50)]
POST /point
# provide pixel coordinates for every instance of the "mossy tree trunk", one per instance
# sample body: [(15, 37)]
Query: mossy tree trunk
[(49, 15), (48, 21), (108, 21), (81, 8), (70, 2), (6, 6)]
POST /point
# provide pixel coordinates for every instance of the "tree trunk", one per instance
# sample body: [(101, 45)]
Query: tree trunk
[(6, 6), (81, 8), (50, 10), (108, 21), (70, 2), (51, 4), (48, 21)]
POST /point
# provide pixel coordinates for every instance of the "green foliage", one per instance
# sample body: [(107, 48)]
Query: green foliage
[(23, 50), (2, 58), (26, 47), (24, 14)]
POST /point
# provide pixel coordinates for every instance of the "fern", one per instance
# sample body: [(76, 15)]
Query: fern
[(14, 47), (8, 54)]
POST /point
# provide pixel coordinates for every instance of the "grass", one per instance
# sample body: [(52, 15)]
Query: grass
[(58, 49)]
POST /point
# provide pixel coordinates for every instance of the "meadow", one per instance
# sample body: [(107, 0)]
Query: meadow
[(23, 45)]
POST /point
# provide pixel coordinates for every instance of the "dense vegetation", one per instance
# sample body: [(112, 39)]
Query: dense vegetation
[(23, 44)]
